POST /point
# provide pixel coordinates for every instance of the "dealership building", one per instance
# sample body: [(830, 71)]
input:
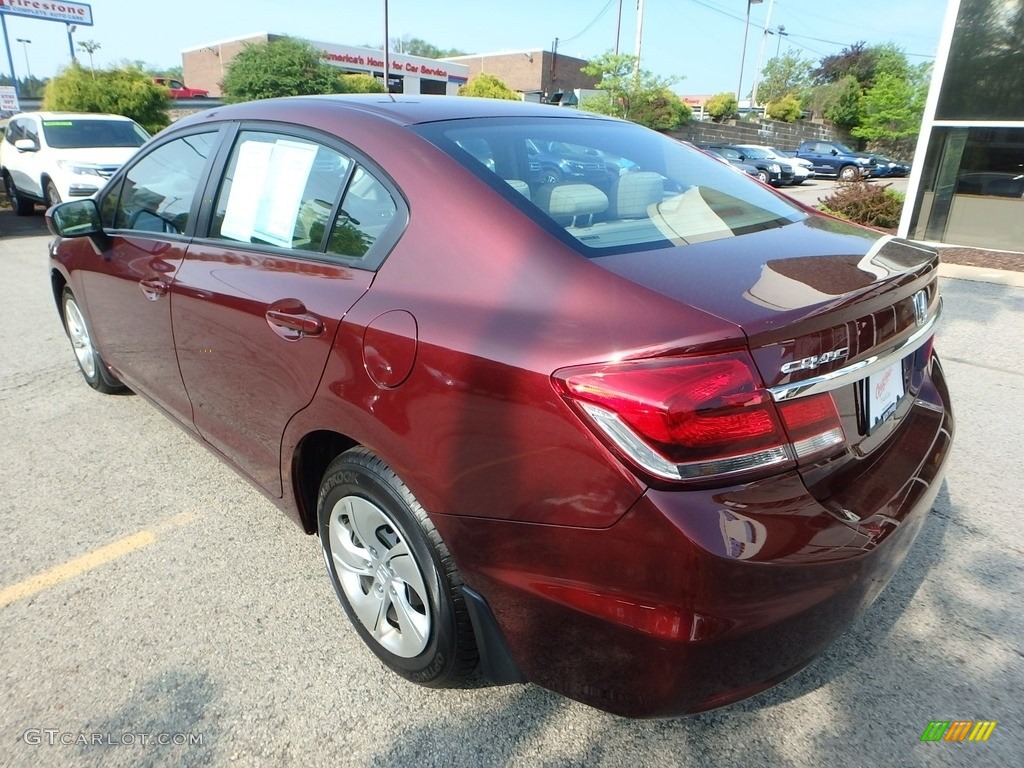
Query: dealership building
[(204, 66), (967, 187)]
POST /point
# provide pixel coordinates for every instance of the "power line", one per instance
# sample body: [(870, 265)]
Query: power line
[(592, 23)]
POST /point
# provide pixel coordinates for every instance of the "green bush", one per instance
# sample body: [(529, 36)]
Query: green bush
[(787, 109), (487, 86), (282, 67), (722, 106), (360, 84), (121, 91), (864, 203)]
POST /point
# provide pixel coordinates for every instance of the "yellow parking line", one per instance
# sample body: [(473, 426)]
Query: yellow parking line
[(61, 573)]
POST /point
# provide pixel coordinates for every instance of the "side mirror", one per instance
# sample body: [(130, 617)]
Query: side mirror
[(76, 218), (26, 145), (742, 158), (835, 152)]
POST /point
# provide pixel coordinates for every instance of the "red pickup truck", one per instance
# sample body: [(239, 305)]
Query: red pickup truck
[(179, 90)]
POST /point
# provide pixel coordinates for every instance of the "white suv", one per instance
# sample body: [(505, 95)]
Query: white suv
[(47, 157), (802, 170)]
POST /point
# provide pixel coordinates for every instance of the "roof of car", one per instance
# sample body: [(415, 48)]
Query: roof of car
[(411, 109)]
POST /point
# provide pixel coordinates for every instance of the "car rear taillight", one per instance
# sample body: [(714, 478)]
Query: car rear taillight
[(697, 418)]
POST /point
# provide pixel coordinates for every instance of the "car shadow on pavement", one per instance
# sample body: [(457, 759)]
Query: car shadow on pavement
[(12, 225), (851, 687)]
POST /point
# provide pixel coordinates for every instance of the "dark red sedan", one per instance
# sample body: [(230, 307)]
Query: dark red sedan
[(651, 440)]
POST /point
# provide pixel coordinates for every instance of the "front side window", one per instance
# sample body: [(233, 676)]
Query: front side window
[(280, 191), (156, 193), (611, 187)]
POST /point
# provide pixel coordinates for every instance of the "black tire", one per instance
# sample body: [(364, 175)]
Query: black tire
[(764, 177), (94, 370), (52, 195), (550, 176), (849, 173), (388, 564), (21, 205)]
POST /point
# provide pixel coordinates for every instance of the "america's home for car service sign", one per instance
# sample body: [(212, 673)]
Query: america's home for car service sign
[(49, 10)]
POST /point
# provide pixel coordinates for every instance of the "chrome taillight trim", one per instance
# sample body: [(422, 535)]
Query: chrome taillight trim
[(850, 374), (646, 457)]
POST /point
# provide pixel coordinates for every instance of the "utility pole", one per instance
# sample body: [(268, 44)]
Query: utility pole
[(743, 54), (618, 29), (760, 53), (639, 39), (387, 57)]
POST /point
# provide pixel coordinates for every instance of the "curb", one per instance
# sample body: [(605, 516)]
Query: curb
[(981, 274)]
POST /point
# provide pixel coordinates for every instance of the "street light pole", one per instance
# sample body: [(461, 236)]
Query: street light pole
[(24, 44), (781, 32), (743, 54), (71, 41)]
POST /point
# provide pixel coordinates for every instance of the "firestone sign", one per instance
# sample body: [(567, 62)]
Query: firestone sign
[(49, 10)]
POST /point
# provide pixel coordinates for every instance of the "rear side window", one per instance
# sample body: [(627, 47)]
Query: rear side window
[(156, 193), (611, 187)]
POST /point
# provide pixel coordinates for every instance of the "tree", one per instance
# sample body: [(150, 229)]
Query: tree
[(414, 46), (360, 84), (90, 47), (787, 75), (488, 86), (282, 67), (787, 109), (634, 95), (722, 106), (845, 107), (857, 60), (891, 110), (120, 91)]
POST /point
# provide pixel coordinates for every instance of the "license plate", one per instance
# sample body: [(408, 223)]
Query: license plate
[(885, 389)]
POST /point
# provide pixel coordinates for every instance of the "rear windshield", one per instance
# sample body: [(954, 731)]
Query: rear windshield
[(77, 134), (611, 187)]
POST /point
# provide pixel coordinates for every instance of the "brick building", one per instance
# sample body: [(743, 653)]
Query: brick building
[(536, 74), (204, 66)]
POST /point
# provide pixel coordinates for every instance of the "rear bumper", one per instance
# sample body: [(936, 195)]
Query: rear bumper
[(697, 599)]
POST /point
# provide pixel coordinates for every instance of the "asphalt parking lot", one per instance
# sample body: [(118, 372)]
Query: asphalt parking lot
[(155, 610)]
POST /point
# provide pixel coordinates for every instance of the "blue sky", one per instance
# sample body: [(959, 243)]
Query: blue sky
[(698, 40)]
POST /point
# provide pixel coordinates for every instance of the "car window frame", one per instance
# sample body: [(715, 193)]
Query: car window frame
[(116, 183), (377, 253)]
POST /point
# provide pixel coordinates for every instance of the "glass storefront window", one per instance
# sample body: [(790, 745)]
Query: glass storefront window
[(984, 78), (972, 188)]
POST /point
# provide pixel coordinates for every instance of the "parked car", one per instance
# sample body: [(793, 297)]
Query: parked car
[(739, 165), (895, 167), (552, 162), (802, 169), (770, 171), (179, 90), (831, 158), (47, 157), (653, 447)]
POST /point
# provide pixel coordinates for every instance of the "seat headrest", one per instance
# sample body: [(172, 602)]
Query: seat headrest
[(570, 200)]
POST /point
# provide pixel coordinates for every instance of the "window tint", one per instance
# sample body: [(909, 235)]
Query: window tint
[(611, 187), (279, 190), (157, 192), (76, 134), (366, 211)]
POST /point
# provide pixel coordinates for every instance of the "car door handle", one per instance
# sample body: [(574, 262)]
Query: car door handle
[(154, 287), (292, 321)]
